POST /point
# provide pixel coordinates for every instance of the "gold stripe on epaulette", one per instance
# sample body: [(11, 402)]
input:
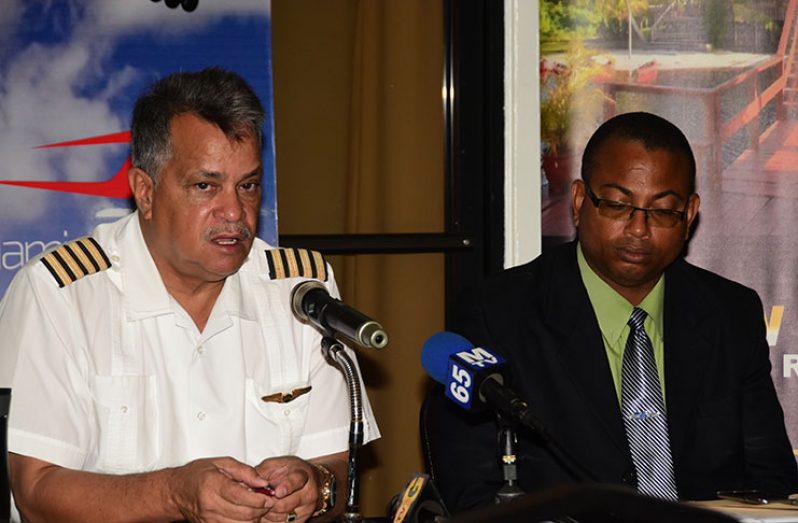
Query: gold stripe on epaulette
[(290, 262), (321, 264), (76, 259)]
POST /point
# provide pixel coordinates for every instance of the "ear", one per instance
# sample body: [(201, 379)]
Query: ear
[(577, 199), (142, 187), (692, 211)]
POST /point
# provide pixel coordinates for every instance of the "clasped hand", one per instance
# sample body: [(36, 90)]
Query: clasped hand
[(219, 490)]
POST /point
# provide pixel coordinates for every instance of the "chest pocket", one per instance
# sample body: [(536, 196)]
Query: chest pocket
[(127, 411), (274, 428)]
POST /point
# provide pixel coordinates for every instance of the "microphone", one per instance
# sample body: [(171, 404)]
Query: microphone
[(312, 303), (419, 502), (474, 379)]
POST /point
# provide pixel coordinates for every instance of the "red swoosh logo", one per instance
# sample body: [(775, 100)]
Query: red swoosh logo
[(115, 187)]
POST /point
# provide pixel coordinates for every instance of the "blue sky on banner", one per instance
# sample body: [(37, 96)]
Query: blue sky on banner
[(71, 70)]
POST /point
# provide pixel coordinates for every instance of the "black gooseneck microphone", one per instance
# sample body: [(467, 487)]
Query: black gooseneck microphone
[(312, 303)]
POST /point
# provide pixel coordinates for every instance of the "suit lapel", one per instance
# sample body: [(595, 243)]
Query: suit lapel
[(583, 356), (688, 332), (689, 327)]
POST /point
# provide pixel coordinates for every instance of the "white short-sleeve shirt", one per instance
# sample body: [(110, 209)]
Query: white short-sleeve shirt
[(113, 376)]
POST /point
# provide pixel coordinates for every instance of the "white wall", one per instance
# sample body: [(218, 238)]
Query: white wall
[(522, 229)]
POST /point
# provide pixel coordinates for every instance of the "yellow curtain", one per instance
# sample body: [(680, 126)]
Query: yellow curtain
[(359, 149), (395, 184)]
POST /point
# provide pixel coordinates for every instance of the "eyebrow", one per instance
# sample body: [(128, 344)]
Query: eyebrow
[(215, 175), (657, 196), (211, 174)]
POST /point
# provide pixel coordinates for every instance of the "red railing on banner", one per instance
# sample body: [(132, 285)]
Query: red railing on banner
[(717, 129)]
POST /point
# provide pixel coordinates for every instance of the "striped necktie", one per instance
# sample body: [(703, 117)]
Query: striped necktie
[(644, 414)]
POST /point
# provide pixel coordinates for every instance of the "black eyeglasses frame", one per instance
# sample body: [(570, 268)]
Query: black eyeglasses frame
[(647, 211)]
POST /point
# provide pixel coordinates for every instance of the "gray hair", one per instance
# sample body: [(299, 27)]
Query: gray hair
[(218, 96)]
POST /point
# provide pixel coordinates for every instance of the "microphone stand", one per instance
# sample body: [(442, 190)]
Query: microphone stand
[(513, 407), (507, 439), (334, 349)]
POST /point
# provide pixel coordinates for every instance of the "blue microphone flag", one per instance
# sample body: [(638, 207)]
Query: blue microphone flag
[(453, 361)]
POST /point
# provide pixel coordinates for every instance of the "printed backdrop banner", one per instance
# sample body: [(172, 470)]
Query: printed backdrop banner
[(70, 71), (720, 75)]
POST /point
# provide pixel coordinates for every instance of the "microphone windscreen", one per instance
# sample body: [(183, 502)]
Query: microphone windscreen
[(436, 351), (298, 298)]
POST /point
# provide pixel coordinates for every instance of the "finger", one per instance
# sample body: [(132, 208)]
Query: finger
[(289, 482), (239, 516), (285, 517), (301, 503), (225, 510), (272, 467), (242, 473), (221, 510), (242, 495)]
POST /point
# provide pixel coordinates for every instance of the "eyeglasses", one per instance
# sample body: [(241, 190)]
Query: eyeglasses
[(623, 211)]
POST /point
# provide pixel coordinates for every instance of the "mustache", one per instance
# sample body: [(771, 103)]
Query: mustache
[(237, 229)]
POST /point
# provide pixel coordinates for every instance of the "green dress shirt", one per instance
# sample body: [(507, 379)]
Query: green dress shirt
[(613, 311)]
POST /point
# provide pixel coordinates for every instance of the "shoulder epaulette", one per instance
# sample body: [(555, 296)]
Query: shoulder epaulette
[(76, 259), (294, 263)]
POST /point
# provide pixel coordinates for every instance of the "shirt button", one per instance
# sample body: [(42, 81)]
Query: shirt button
[(287, 412), (200, 415), (123, 409), (200, 349), (114, 258)]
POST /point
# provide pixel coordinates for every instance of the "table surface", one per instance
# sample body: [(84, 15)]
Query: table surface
[(771, 513)]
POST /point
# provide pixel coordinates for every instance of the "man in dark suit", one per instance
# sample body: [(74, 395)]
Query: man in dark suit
[(561, 321)]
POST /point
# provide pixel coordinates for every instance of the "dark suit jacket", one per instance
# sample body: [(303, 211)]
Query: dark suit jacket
[(726, 425)]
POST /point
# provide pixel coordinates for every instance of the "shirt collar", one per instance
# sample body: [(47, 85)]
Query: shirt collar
[(613, 310), (146, 295)]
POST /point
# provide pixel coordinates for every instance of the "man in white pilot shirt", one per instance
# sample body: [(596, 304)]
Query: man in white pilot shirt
[(160, 374)]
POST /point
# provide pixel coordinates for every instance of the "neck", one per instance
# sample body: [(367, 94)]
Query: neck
[(195, 293), (635, 295), (197, 296), (198, 302)]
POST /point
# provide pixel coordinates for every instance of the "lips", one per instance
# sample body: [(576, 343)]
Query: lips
[(228, 237), (633, 254), (226, 241)]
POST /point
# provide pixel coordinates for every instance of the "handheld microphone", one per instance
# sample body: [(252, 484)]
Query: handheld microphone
[(311, 303)]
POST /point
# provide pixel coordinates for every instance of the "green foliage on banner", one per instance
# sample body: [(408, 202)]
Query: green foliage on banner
[(615, 16), (746, 11), (564, 20), (568, 89), (608, 20), (718, 18)]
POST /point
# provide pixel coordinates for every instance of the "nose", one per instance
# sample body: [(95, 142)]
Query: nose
[(229, 206), (637, 225)]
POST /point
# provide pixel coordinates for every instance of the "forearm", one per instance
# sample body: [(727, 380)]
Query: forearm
[(51, 493), (207, 489)]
